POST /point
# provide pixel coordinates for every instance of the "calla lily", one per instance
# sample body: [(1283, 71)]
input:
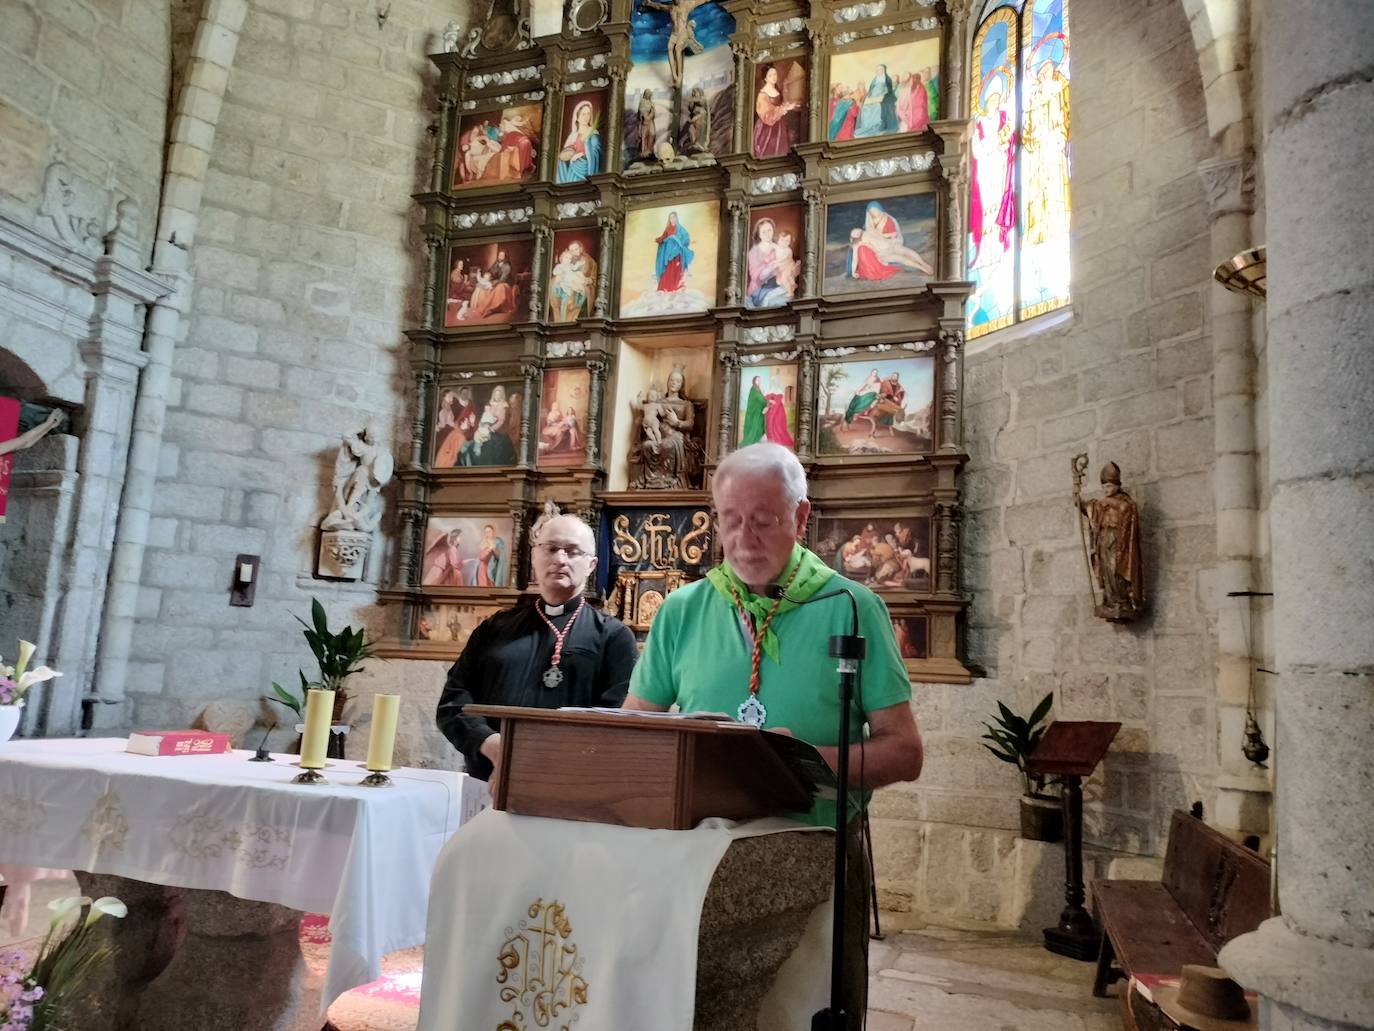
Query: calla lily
[(36, 676), (106, 905), (61, 907), (26, 650)]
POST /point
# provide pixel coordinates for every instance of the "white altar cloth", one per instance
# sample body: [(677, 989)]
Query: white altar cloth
[(532, 919), (220, 822)]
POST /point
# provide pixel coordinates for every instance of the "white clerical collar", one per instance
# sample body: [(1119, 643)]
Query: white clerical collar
[(553, 610)]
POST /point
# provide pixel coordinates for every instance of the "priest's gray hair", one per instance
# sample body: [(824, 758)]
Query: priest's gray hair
[(765, 460)]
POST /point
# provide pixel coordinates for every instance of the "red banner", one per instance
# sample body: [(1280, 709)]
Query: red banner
[(9, 429)]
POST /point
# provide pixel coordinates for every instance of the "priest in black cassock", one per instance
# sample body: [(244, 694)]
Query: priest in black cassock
[(546, 651)]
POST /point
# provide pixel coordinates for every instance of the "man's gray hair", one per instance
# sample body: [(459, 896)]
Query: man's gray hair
[(766, 460)]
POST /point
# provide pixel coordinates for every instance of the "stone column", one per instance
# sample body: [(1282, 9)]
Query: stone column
[(1314, 966), (733, 275), (602, 308), (814, 247), (594, 402), (1228, 186)]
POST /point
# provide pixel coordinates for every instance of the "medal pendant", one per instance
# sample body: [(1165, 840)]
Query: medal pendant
[(553, 676), (752, 712)]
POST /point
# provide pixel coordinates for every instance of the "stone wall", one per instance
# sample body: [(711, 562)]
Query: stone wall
[(1126, 378), (306, 269)]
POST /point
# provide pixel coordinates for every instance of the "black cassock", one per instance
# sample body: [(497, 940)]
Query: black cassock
[(504, 664)]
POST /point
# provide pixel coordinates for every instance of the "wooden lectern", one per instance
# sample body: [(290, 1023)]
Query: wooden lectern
[(664, 772)]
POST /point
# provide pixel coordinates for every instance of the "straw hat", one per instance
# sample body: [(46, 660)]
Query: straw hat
[(1206, 1000)]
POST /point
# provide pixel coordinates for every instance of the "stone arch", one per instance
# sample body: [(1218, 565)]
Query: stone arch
[(1221, 30), (19, 378)]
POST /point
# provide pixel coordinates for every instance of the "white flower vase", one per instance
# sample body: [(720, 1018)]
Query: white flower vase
[(9, 721)]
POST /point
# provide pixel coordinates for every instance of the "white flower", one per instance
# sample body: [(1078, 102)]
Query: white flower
[(36, 676), (106, 905), (26, 650)]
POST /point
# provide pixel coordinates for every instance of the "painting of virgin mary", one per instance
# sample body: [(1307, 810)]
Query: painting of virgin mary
[(668, 261), (580, 154), (885, 244)]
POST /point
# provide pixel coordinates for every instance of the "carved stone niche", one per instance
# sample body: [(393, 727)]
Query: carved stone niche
[(669, 452)]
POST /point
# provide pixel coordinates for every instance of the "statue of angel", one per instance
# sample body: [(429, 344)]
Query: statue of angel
[(361, 469)]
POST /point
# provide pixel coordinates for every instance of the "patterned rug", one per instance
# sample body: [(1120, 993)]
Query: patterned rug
[(390, 1003)]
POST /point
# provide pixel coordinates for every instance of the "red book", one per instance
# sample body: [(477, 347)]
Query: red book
[(177, 742)]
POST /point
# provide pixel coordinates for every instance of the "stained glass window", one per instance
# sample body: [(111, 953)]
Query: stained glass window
[(1018, 226)]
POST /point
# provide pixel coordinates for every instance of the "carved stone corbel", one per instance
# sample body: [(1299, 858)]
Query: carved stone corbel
[(595, 393), (1229, 186)]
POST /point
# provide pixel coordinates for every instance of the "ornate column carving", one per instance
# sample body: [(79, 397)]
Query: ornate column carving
[(407, 568), (595, 393), (951, 340), (743, 51), (946, 548), (732, 282), (818, 31), (729, 391), (618, 69), (952, 95), (954, 220), (539, 274), (531, 367), (519, 518), (607, 224), (553, 116), (448, 100), (806, 413), (433, 248), (1229, 186), (419, 420), (814, 248)]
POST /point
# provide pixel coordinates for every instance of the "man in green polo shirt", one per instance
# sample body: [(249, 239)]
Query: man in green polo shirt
[(723, 645)]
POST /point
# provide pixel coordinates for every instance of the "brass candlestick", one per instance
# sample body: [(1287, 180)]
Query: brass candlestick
[(309, 775), (376, 779)]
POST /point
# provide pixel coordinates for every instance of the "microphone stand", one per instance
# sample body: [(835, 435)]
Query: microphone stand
[(849, 650)]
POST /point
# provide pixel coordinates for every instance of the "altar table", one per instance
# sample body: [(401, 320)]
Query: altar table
[(222, 823)]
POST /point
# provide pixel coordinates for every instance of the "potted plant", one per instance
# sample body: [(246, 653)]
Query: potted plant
[(44, 991), (338, 655), (1013, 740), (15, 682)]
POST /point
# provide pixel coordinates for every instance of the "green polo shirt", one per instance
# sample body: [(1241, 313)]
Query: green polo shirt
[(698, 657)]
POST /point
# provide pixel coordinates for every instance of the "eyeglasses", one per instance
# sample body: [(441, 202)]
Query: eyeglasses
[(759, 523), (571, 550)]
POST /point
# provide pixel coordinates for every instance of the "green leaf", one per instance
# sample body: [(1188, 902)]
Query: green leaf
[(1008, 717), (1002, 755), (1042, 710), (317, 614)]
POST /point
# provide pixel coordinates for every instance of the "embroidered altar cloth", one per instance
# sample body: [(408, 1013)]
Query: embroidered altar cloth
[(222, 823)]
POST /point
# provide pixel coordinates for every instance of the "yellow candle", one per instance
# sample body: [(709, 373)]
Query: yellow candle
[(382, 739), (319, 711)]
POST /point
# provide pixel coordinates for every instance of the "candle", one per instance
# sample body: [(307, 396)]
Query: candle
[(382, 739), (319, 711)]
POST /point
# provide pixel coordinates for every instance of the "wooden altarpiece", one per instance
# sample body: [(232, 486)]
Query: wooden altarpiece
[(817, 301)]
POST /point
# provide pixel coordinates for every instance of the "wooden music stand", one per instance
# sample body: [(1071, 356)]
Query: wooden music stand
[(637, 769), (1071, 750)]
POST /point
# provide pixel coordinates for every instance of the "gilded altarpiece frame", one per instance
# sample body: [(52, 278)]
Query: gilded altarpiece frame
[(748, 355)]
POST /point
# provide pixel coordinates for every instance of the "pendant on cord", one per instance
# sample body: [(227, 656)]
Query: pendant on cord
[(553, 676), (752, 712)]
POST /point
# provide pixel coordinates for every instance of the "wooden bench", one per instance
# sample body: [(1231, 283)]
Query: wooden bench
[(1213, 890)]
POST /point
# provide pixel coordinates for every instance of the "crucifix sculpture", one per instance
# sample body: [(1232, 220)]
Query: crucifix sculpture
[(682, 38)]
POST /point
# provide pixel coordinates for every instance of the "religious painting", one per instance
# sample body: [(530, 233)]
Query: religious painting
[(488, 283), (1044, 158), (881, 552), (992, 175), (478, 424), (680, 44), (884, 90), (467, 551), (767, 408), (877, 406), (572, 277), (888, 243), (913, 636), (647, 553), (779, 107), (497, 146), (450, 624), (563, 428), (669, 257), (773, 264), (582, 145)]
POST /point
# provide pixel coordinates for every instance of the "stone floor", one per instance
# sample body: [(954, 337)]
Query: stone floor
[(923, 978)]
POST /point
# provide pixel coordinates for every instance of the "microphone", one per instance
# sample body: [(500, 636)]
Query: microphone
[(262, 756), (842, 646)]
